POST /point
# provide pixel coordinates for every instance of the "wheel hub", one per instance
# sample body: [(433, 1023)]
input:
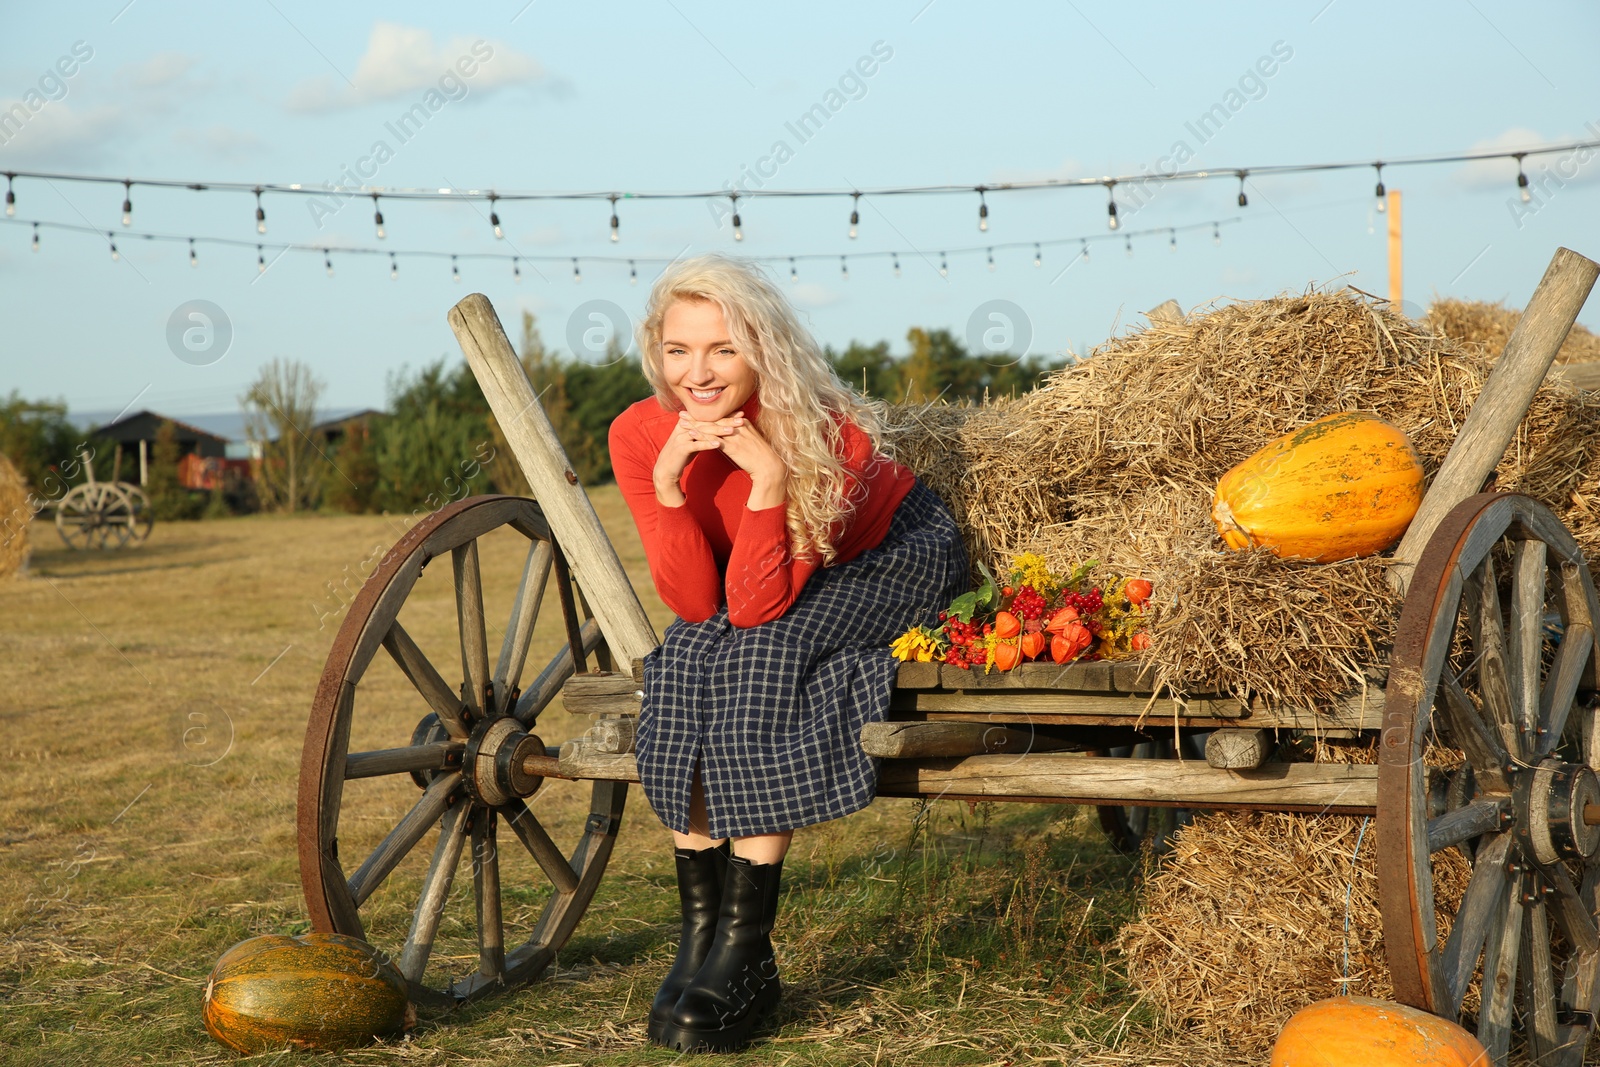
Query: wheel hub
[(494, 762), (1553, 816)]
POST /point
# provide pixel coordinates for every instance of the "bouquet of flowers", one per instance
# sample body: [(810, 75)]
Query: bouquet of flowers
[(1034, 613)]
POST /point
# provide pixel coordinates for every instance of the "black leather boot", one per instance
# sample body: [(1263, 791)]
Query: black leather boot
[(738, 982), (700, 879)]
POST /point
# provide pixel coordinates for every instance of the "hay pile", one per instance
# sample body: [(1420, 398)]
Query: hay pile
[(15, 513), (1116, 459), (1487, 327)]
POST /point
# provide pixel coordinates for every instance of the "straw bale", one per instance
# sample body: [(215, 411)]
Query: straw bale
[(15, 513), (1487, 327), (1116, 459), (1251, 917)]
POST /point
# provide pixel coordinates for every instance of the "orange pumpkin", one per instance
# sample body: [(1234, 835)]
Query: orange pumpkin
[(1361, 1032), (322, 991), (1346, 485)]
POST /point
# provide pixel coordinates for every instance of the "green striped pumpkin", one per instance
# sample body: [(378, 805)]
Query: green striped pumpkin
[(322, 991)]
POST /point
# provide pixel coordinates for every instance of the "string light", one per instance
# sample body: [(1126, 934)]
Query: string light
[(11, 197), (516, 271), (1112, 222), (261, 261), (855, 213), (576, 275), (394, 268), (1128, 244), (991, 259), (494, 219), (615, 222), (1216, 235), (377, 217), (1522, 179), (633, 275), (1085, 252), (1038, 257), (36, 237), (1380, 192), (794, 272), (327, 262), (983, 212), (738, 231), (844, 269), (1244, 201), (455, 271), (261, 216), (194, 260), (1172, 240), (896, 257), (944, 268), (113, 239), (127, 203)]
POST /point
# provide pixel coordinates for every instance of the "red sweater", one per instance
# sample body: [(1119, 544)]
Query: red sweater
[(713, 547)]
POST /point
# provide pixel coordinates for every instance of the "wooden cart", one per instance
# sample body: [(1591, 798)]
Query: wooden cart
[(1492, 672)]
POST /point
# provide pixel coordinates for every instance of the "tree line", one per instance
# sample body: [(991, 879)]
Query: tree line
[(437, 440)]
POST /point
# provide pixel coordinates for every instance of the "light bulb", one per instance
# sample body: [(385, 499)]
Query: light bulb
[(1085, 252), (194, 260), (115, 255), (1522, 181), (1172, 240), (261, 261), (455, 271), (516, 271), (377, 217), (633, 275), (944, 267), (327, 261), (983, 214), (738, 229), (494, 221), (1112, 222), (844, 269), (1380, 192), (615, 222), (1129, 245), (394, 268), (11, 198), (1216, 234), (1038, 258), (794, 274), (261, 216), (576, 276), (896, 258), (127, 203), (855, 214), (991, 259), (1244, 201), (36, 237)]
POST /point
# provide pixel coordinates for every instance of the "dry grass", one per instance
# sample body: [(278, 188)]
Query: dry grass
[(1486, 327), (1116, 459), (15, 515), (131, 855)]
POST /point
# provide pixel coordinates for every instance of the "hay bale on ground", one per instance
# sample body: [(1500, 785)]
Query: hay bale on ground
[(1244, 923), (15, 513), (1116, 459), (1486, 327)]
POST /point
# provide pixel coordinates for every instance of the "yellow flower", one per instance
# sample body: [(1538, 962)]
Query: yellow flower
[(1029, 568), (915, 644)]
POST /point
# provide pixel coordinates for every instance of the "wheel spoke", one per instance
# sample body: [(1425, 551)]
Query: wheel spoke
[(1500, 971), (544, 688), (1527, 633), (524, 615), (1473, 736), (486, 890), (540, 847), (1568, 906), (469, 615), (435, 894), (1485, 891), (425, 679), (411, 828), (1538, 985), (1480, 817), (1561, 687), (399, 760), (1482, 597)]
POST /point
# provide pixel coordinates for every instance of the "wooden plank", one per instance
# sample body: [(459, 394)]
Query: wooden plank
[(602, 694), (1503, 402), (909, 740), (911, 675), (1332, 787), (1526, 636), (1092, 677), (614, 736), (539, 453), (579, 760), (469, 617)]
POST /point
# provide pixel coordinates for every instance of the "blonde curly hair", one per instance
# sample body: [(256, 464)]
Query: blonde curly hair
[(803, 402)]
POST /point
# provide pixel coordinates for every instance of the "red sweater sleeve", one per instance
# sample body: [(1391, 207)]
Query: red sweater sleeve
[(764, 577), (681, 561)]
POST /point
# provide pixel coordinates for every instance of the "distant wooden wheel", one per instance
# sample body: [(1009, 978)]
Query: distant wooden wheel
[(465, 750), (1492, 678), (143, 517), (95, 515)]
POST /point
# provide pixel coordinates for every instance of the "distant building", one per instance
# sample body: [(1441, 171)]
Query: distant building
[(135, 436)]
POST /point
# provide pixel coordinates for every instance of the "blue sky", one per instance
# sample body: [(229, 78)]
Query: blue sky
[(685, 95)]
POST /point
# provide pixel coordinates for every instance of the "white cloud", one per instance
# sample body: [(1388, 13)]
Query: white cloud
[(60, 134), (1502, 173), (403, 61), (157, 72)]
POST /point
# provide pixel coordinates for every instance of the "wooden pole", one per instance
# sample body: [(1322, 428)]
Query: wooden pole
[(1504, 401), (538, 451), (1395, 271)]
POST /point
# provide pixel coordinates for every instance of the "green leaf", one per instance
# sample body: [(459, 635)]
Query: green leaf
[(962, 606), (989, 592)]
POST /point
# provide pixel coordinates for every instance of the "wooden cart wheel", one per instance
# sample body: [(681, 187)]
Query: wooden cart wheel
[(143, 517), (461, 756), (1492, 678), (95, 515), (1128, 828)]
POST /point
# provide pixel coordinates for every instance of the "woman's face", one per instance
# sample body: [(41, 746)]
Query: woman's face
[(700, 364)]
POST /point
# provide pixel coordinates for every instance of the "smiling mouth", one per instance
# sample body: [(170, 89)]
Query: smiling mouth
[(705, 396)]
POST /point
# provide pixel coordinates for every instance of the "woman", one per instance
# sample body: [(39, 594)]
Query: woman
[(793, 552)]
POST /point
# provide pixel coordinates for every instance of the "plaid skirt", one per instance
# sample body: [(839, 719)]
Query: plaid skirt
[(772, 714)]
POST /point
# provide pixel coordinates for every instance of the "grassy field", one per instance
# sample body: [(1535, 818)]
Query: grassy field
[(154, 703)]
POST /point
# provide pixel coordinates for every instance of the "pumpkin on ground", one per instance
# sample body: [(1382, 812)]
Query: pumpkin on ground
[(323, 991), (1345, 485), (1361, 1032)]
